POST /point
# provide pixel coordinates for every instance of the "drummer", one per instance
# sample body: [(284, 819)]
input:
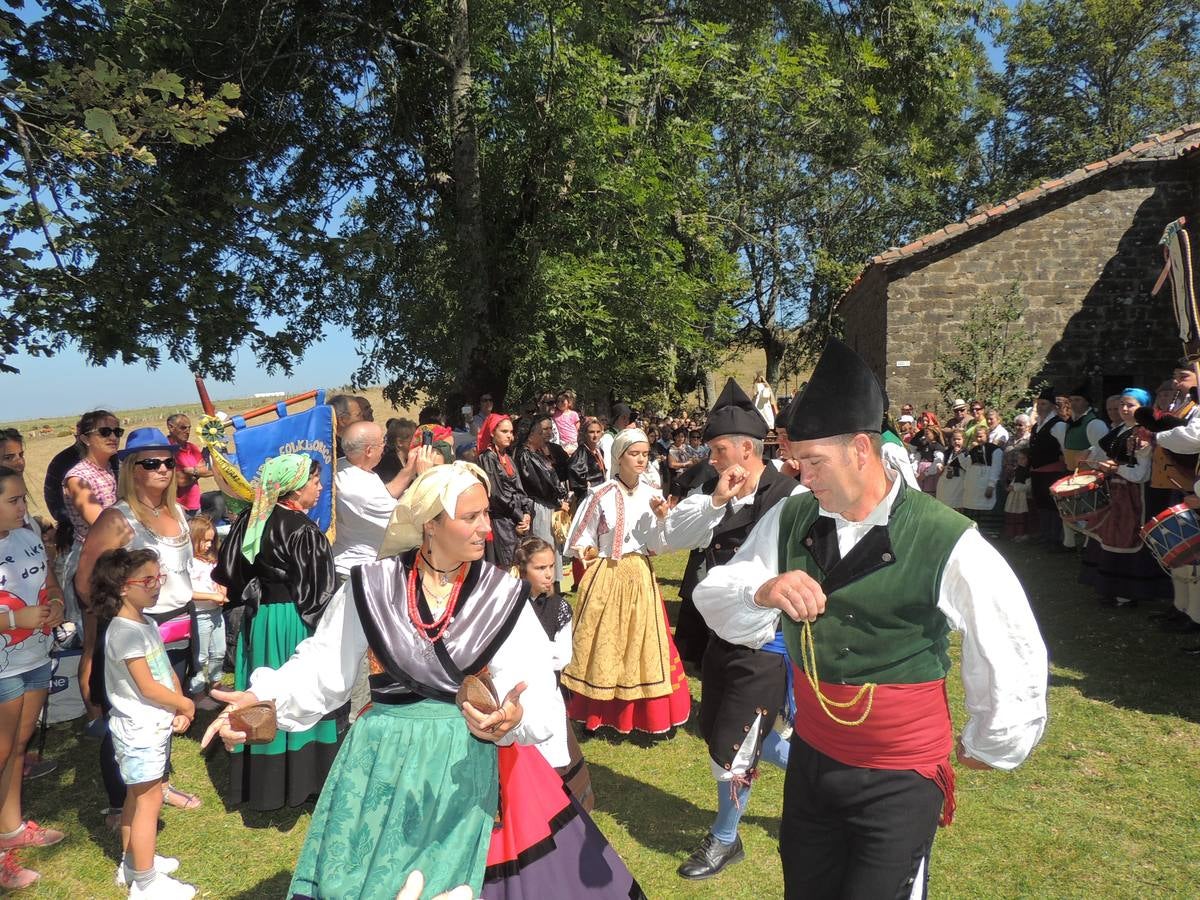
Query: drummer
[(1176, 408), (1116, 562), (1083, 433)]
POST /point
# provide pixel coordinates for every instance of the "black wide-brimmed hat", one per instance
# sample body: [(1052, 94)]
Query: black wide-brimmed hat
[(842, 397)]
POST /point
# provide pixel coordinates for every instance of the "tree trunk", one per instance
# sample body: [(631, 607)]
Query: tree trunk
[(773, 345), (468, 209), (710, 390)]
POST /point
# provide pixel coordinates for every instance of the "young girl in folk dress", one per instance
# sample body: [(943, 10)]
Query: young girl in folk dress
[(625, 671), (535, 561)]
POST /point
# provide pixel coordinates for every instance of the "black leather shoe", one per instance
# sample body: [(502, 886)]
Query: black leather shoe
[(1190, 651), (711, 857)]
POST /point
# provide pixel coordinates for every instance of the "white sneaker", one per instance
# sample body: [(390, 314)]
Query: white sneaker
[(163, 887), (163, 865)]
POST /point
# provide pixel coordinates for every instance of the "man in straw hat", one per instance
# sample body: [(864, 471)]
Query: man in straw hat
[(870, 577)]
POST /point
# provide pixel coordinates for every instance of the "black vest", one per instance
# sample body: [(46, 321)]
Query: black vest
[(733, 529), (1044, 449)]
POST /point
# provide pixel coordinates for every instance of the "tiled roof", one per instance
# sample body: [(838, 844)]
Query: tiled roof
[(1170, 145)]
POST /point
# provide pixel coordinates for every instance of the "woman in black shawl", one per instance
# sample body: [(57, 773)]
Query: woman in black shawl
[(545, 473), (511, 510)]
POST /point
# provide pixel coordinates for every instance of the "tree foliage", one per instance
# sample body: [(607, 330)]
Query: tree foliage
[(76, 126), (1084, 80), (503, 196)]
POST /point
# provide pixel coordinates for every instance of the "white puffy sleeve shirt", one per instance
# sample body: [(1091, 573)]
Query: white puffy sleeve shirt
[(1004, 664), (692, 522), (1137, 472), (614, 518), (318, 677)]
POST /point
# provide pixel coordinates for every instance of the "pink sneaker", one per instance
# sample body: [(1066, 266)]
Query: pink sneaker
[(13, 875), (32, 835)]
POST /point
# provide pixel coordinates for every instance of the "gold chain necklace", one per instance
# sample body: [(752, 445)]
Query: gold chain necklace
[(808, 658)]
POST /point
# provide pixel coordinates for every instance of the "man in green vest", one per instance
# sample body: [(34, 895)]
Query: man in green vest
[(870, 577)]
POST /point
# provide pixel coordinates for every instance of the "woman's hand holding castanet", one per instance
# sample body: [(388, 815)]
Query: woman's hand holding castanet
[(220, 725), (494, 726)]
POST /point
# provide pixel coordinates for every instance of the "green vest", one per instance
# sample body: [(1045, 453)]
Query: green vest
[(1077, 438), (883, 626)]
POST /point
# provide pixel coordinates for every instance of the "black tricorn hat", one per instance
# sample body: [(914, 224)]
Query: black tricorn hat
[(842, 397), (734, 413)]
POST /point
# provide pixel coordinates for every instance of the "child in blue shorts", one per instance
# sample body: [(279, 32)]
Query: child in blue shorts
[(147, 706)]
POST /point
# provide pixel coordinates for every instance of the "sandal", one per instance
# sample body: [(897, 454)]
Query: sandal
[(172, 796)]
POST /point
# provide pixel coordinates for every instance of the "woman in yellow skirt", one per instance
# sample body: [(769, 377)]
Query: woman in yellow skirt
[(625, 671)]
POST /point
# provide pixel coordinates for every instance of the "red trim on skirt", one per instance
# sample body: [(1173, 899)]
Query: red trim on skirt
[(654, 715), (531, 797)]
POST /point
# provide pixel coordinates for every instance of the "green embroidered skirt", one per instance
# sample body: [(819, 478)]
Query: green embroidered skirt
[(410, 789)]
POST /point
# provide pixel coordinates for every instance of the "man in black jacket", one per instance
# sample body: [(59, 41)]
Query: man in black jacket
[(742, 689)]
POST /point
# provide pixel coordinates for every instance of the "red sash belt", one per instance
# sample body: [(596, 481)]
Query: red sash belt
[(908, 729)]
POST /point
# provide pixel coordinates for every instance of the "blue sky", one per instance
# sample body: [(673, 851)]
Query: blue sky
[(66, 384)]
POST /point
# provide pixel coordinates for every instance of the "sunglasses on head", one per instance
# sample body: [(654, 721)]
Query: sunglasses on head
[(107, 431), (150, 581), (153, 465)]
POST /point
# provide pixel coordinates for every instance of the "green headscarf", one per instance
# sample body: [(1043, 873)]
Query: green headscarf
[(279, 475)]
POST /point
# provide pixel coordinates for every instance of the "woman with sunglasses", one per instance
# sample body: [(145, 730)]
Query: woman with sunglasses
[(146, 517), (279, 566), (88, 488)]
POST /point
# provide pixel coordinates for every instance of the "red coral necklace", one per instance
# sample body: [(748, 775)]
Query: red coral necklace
[(433, 631)]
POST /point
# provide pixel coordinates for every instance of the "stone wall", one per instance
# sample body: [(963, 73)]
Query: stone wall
[(864, 313), (1086, 258)]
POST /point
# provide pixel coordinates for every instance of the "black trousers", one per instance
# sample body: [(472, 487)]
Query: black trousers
[(854, 834)]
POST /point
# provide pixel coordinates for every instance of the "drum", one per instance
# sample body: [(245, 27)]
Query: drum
[(1173, 536), (1082, 498)]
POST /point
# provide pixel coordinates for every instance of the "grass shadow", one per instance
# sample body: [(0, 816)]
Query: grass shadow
[(275, 886), (677, 825), (1113, 655)]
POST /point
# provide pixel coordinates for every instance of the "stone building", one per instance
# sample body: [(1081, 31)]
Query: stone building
[(1084, 249)]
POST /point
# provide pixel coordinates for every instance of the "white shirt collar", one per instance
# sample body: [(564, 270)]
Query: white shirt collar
[(880, 514)]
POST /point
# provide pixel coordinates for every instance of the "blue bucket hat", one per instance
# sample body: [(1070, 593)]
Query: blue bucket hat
[(143, 439)]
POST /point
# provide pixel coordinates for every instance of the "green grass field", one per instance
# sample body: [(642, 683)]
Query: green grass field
[(1105, 808)]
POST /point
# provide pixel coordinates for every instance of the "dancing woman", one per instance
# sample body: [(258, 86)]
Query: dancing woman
[(418, 782), (625, 671)]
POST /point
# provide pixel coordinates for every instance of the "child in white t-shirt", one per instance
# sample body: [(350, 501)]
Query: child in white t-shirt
[(147, 705), (30, 606), (210, 620)]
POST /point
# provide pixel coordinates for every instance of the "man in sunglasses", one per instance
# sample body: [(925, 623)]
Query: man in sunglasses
[(190, 466)]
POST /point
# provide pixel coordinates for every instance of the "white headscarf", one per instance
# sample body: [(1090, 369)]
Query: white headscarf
[(623, 441), (435, 492)]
